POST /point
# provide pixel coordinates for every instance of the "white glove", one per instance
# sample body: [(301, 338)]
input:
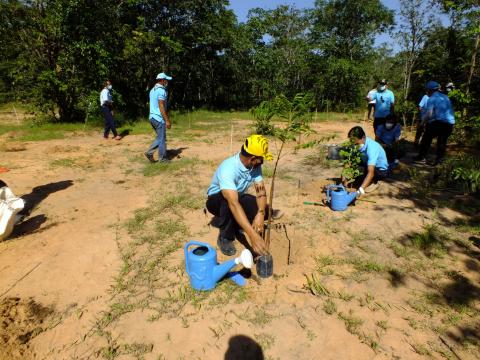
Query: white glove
[(361, 191)]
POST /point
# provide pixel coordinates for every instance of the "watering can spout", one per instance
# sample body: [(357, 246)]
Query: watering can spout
[(222, 269), (352, 196), (245, 258)]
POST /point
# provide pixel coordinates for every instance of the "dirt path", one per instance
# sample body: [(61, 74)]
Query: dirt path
[(96, 268)]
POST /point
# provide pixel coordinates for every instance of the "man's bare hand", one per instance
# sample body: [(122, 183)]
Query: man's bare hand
[(259, 245), (169, 124), (259, 223)]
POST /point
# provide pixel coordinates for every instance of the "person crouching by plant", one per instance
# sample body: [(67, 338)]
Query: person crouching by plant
[(388, 135), (373, 156), (106, 103), (233, 208)]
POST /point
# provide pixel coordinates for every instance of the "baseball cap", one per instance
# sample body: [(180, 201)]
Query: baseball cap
[(164, 76), (383, 82), (432, 85)]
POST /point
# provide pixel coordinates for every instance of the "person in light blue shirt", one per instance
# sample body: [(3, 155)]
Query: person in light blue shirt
[(439, 118), (384, 103), (159, 118), (373, 156), (228, 200), (388, 135), (422, 108), (106, 104)]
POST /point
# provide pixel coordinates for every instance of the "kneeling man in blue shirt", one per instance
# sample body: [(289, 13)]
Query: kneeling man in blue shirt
[(373, 155), (233, 208)]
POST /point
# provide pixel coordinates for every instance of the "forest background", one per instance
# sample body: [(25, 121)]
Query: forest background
[(56, 54)]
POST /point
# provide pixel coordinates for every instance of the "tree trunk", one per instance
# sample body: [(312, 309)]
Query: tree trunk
[(270, 201), (473, 63)]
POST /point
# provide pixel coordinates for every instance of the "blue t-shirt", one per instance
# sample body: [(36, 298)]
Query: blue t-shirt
[(423, 105), (158, 92), (439, 108), (388, 136), (373, 154), (383, 102), (233, 175)]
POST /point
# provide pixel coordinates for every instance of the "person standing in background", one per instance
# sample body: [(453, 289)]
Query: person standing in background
[(159, 118), (371, 103), (439, 119), (106, 103), (384, 103), (422, 107)]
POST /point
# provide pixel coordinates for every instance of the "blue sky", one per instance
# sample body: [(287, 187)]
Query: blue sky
[(241, 7)]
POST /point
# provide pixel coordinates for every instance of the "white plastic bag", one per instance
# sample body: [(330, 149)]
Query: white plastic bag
[(10, 205)]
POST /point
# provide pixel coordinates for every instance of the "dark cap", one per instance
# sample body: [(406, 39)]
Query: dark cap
[(383, 82)]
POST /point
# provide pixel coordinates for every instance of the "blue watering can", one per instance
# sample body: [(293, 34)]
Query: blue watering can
[(202, 267), (339, 198)]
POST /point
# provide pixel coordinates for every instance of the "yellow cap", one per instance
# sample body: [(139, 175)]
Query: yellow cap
[(257, 145)]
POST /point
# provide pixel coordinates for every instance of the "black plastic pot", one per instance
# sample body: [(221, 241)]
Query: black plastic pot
[(334, 152), (265, 266)]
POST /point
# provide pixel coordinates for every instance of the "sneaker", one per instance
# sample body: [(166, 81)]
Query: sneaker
[(164, 161), (419, 160), (438, 162), (226, 246), (277, 214), (149, 157)]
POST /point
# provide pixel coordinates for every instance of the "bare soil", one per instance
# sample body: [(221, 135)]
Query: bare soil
[(96, 268)]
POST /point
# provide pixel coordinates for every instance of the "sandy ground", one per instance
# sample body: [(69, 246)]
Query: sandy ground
[(65, 272)]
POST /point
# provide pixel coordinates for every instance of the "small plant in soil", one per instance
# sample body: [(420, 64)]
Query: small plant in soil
[(351, 160)]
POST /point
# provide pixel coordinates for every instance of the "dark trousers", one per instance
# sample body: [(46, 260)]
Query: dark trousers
[(371, 110), (379, 174), (109, 122), (420, 129), (436, 129), (378, 121), (391, 151), (224, 220)]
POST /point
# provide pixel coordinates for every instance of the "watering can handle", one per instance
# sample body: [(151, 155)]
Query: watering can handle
[(185, 250)]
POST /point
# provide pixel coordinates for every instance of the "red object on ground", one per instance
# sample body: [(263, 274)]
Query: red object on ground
[(3, 169)]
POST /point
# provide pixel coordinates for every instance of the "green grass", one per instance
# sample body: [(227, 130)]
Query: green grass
[(382, 324), (352, 323), (63, 163), (366, 265), (186, 126), (429, 237), (154, 169), (315, 286), (330, 307)]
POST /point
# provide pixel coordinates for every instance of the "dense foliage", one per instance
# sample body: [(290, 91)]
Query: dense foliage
[(57, 53)]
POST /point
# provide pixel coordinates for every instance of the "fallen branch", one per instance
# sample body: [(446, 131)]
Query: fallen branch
[(23, 277)]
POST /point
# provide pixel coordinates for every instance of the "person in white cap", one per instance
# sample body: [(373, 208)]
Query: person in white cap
[(159, 118)]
